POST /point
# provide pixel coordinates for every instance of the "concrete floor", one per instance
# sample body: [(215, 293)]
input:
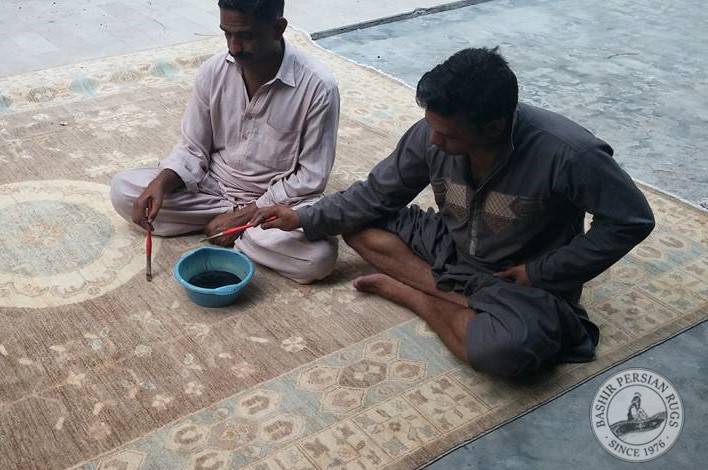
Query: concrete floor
[(623, 68), (38, 34), (558, 436)]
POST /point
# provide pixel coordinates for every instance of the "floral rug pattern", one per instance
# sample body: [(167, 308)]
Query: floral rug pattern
[(99, 369)]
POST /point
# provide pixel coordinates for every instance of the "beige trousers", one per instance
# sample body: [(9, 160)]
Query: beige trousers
[(288, 253)]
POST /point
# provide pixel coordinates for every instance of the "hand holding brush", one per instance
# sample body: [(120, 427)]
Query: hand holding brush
[(233, 230)]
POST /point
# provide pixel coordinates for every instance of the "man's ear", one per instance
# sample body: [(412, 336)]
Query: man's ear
[(279, 27), (495, 129)]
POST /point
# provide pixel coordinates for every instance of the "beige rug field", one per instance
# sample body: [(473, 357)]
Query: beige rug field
[(99, 369)]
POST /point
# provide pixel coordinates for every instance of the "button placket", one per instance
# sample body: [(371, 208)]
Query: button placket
[(251, 112), (248, 118)]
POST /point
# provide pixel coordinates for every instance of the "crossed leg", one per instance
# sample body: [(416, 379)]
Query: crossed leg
[(288, 253), (407, 280), (520, 329)]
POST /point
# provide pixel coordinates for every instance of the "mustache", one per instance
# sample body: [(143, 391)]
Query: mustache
[(240, 55)]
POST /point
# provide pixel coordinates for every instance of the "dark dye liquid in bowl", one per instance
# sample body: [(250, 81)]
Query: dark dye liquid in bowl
[(214, 279)]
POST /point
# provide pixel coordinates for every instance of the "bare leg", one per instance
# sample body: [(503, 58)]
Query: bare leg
[(387, 253), (447, 319)]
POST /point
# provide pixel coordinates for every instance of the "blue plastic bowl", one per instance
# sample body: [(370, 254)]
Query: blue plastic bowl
[(209, 258)]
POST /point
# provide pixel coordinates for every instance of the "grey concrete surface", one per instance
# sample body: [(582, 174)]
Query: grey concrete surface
[(558, 435), (37, 34), (632, 71), (321, 15)]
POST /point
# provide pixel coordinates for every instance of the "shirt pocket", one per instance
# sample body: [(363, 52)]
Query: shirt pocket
[(498, 212), (529, 208), (506, 214), (532, 216), (276, 149)]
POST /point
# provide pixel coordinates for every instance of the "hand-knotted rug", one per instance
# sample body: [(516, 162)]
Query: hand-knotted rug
[(100, 369)]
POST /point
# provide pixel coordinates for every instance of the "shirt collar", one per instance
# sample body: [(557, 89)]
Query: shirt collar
[(286, 72), (514, 121), (509, 147)]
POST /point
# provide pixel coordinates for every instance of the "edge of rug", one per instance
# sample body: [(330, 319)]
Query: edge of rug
[(671, 195), (564, 392), (410, 87), (308, 36), (63, 68), (218, 402)]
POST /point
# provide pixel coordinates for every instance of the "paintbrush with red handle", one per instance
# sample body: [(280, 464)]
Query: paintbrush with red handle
[(232, 230), (148, 246)]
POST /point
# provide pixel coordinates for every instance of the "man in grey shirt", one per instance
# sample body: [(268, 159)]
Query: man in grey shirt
[(498, 271)]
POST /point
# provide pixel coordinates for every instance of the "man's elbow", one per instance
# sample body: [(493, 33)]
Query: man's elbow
[(649, 226), (644, 226), (650, 222), (633, 230)]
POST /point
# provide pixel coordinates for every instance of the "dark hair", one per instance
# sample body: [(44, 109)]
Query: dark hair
[(260, 9), (476, 84)]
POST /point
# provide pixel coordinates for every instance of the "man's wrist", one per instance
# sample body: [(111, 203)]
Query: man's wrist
[(302, 215), (249, 209), (168, 180)]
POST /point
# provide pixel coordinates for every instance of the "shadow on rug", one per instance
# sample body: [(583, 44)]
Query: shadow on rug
[(100, 369)]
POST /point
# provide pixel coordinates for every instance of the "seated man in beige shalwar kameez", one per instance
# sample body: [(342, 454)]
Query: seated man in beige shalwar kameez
[(259, 130)]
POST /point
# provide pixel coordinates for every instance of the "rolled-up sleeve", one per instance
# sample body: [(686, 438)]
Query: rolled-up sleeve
[(316, 157), (190, 157)]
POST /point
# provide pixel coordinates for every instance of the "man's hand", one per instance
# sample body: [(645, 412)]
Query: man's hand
[(517, 274), (228, 220), (287, 219), (152, 197)]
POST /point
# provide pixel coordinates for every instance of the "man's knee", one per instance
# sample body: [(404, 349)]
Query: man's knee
[(127, 186), (372, 239), (504, 348), (354, 239), (318, 265), (290, 253), (507, 358), (121, 197)]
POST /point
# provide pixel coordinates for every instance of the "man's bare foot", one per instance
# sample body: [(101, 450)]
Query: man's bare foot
[(382, 285), (370, 282)]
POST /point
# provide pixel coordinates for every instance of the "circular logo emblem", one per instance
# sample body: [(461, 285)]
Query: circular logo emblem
[(637, 415)]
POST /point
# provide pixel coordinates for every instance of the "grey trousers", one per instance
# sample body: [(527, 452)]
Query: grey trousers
[(288, 253), (518, 329)]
